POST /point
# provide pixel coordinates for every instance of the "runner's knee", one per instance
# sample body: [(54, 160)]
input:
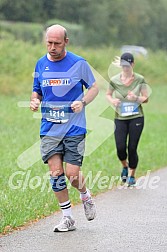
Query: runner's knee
[(58, 183)]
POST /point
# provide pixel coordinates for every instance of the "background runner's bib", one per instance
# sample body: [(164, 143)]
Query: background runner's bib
[(57, 113), (129, 108)]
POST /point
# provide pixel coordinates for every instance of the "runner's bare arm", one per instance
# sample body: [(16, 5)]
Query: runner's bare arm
[(114, 101), (144, 96), (92, 92)]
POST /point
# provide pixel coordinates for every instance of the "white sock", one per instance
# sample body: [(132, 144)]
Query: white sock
[(85, 195), (66, 208)]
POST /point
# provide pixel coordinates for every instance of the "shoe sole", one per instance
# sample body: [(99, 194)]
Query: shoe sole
[(65, 230), (131, 185), (123, 179), (90, 219)]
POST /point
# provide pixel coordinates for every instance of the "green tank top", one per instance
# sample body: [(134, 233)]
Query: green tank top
[(127, 109)]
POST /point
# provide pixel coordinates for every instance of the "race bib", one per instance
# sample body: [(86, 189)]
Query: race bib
[(57, 113), (129, 108)]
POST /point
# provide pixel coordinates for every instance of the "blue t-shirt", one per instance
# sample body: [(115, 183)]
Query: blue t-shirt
[(60, 83)]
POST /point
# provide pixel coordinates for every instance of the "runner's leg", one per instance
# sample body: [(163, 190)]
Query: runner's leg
[(135, 130)]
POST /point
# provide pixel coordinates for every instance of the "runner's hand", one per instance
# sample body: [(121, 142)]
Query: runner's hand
[(34, 104), (131, 96), (116, 102), (77, 106)]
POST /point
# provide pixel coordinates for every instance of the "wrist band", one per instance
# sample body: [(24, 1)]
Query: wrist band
[(83, 102)]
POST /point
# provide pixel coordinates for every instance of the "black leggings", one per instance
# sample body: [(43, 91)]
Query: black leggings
[(130, 130)]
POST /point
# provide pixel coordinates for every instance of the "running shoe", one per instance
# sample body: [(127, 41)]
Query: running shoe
[(66, 224), (131, 181), (90, 209), (124, 174)]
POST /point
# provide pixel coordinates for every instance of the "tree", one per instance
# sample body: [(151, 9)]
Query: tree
[(105, 21)]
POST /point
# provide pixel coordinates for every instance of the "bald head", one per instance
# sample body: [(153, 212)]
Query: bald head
[(56, 41), (56, 30)]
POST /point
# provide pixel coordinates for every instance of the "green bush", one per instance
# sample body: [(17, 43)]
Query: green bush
[(17, 68), (21, 31), (34, 32)]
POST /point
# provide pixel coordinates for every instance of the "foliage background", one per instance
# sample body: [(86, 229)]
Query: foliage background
[(95, 22)]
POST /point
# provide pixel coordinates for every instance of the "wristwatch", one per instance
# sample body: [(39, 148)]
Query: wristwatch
[(83, 102)]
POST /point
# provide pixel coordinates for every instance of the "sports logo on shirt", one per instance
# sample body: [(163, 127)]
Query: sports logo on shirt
[(56, 82)]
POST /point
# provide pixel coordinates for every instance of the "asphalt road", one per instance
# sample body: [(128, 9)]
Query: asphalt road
[(127, 220)]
